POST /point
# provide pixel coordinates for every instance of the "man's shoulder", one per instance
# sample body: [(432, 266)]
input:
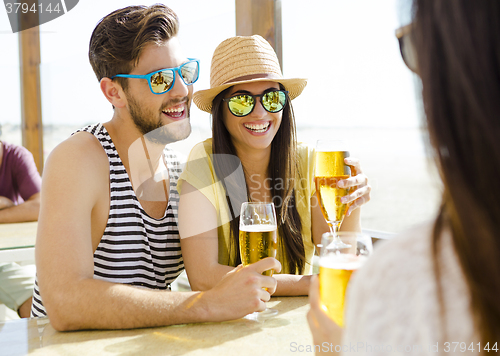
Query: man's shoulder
[(82, 152), (82, 142)]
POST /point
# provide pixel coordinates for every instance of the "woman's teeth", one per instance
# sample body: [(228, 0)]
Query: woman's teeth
[(257, 128)]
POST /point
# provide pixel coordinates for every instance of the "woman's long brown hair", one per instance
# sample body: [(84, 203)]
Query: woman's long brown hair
[(458, 51), (283, 173)]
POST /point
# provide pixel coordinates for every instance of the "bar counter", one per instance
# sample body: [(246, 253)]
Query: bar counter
[(286, 333), (17, 242)]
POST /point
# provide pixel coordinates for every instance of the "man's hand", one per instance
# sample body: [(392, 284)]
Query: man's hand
[(242, 291), (5, 203)]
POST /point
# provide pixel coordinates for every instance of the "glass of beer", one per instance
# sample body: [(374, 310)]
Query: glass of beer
[(336, 265), (258, 239), (329, 168)]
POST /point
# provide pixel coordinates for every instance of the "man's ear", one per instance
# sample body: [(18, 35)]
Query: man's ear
[(113, 92)]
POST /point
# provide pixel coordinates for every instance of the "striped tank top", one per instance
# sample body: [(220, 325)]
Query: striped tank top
[(135, 248)]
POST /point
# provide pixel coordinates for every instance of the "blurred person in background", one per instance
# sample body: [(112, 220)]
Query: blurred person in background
[(20, 185), (436, 288)]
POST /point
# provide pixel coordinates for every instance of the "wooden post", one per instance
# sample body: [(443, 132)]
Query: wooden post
[(31, 103), (261, 17)]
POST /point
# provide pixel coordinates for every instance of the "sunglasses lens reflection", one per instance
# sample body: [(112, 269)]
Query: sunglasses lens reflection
[(162, 81), (241, 105), (190, 72), (274, 101)]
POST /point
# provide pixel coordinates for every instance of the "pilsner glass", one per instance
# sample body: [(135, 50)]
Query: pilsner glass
[(336, 265), (329, 168), (258, 239)]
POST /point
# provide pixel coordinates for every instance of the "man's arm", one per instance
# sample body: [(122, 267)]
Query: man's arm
[(76, 176), (27, 211), (5, 203)]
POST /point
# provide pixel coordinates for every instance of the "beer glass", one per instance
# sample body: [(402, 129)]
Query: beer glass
[(258, 239), (336, 265), (329, 168)]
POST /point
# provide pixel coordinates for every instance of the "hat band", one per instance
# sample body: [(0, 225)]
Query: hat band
[(270, 76)]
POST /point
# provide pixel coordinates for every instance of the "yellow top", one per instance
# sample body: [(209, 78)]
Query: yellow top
[(200, 173)]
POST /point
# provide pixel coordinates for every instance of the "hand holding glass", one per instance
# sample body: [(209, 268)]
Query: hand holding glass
[(258, 239), (336, 265)]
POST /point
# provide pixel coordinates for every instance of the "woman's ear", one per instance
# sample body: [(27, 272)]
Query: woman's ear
[(113, 92)]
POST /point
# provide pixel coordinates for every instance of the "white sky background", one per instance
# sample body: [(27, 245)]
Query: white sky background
[(347, 50)]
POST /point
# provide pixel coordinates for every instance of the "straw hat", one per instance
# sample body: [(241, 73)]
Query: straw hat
[(240, 60)]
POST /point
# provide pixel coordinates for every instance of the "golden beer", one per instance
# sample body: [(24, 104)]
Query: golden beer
[(257, 242), (331, 164), (329, 169), (334, 275), (329, 197)]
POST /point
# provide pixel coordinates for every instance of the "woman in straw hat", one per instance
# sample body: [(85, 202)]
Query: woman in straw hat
[(253, 156)]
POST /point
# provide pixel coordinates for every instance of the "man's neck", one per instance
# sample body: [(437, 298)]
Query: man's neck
[(142, 159)]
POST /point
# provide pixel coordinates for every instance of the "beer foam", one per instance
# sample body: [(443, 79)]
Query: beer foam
[(342, 261), (258, 228)]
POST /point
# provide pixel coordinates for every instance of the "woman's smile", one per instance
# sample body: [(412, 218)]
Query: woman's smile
[(257, 128)]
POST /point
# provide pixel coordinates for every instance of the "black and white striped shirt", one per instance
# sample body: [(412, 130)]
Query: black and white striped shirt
[(135, 248)]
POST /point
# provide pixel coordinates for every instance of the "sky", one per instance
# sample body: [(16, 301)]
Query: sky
[(346, 49)]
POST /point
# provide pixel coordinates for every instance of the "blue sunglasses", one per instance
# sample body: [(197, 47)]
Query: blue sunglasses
[(161, 81)]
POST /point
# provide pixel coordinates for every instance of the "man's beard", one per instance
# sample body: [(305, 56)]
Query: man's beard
[(157, 132)]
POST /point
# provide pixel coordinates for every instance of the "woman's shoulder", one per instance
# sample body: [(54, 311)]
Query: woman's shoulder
[(305, 158), (403, 251), (394, 262), (390, 280), (304, 149), (305, 154), (201, 149), (398, 287)]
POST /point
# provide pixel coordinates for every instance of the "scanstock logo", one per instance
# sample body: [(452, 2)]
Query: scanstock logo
[(25, 14)]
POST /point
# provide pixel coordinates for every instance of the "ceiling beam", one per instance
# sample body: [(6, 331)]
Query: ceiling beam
[(261, 17), (31, 103)]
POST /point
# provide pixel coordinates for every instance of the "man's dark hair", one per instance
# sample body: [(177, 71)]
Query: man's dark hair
[(119, 38)]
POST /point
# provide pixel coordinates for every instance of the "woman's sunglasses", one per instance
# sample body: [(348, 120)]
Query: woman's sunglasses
[(163, 80), (407, 47), (243, 104)]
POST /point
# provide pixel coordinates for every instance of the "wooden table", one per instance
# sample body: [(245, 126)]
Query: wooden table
[(17, 242), (284, 334)]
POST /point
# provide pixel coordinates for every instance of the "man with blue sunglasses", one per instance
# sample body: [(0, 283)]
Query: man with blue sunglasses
[(108, 245)]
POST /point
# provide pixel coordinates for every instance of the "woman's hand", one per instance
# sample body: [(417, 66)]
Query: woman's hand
[(358, 182), (326, 333)]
